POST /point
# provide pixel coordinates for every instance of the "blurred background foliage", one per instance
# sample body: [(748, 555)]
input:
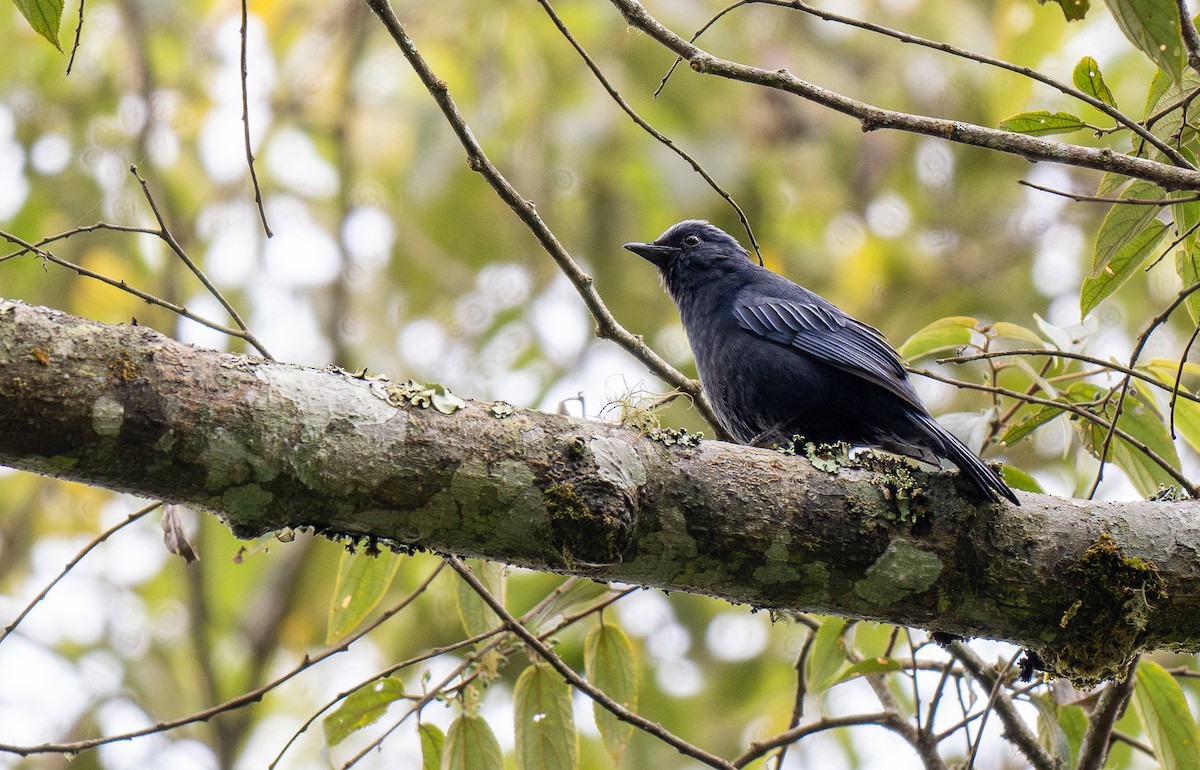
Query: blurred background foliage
[(389, 253)]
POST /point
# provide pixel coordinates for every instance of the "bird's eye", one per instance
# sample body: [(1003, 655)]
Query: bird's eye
[(691, 240)]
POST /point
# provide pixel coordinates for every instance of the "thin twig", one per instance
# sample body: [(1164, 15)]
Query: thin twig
[(1015, 728), (606, 324), (873, 118), (801, 694), (1107, 365), (1191, 39), (578, 682), (1078, 410), (245, 699), (616, 97), (78, 34), (1100, 199), (993, 697), (106, 534), (1174, 154), (258, 196), (1093, 750)]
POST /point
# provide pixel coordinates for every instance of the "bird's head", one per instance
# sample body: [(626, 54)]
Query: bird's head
[(692, 246)]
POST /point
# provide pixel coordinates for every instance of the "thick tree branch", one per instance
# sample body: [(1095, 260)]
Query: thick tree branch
[(872, 117), (269, 445)]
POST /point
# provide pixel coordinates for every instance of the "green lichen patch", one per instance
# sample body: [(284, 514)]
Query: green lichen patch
[(674, 437), (903, 569), (502, 409), (1104, 622), (900, 482), (421, 396)]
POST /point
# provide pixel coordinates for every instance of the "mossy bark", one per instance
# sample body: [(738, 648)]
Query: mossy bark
[(267, 446)]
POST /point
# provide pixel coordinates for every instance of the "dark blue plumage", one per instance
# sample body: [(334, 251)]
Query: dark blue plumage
[(777, 360)]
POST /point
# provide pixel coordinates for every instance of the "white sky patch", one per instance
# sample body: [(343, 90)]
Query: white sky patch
[(287, 325), (559, 321), (423, 342), (736, 635), (1056, 260), (204, 305), (50, 154), (294, 162), (368, 234), (222, 148), (234, 238), (888, 216), (680, 678), (934, 163), (302, 254), (14, 187)]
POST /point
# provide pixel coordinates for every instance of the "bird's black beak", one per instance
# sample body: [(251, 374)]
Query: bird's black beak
[(660, 256)]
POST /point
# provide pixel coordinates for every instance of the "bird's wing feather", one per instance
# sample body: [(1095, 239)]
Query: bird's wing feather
[(826, 333)]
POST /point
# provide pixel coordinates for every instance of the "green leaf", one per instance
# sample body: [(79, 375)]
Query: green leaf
[(1011, 331), (941, 335), (545, 727), (471, 745), (1121, 267), (870, 666), (1050, 732), (44, 17), (1124, 221), (1141, 422), (362, 582), (1187, 267), (1042, 123), (1029, 424), (1019, 479), (361, 708), (1166, 718), (609, 663), (1187, 412), (581, 594), (432, 741), (827, 656), (1087, 78), (1110, 183), (1153, 28), (1073, 10), (476, 616)]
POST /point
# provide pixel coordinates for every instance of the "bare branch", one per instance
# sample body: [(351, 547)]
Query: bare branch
[(872, 117)]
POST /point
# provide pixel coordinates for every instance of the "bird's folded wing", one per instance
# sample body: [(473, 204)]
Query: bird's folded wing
[(827, 334)]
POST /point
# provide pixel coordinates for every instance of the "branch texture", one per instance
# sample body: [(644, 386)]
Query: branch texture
[(268, 446)]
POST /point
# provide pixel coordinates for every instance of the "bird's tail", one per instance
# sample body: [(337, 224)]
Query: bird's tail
[(980, 474)]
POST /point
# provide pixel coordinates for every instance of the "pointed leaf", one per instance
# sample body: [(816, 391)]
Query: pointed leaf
[(870, 666), (474, 613), (545, 726), (827, 657), (1153, 28), (1124, 221), (1121, 267), (940, 336), (1187, 267), (1187, 412), (1110, 183), (1050, 732), (44, 17), (582, 593), (1166, 718), (471, 745), (1140, 421), (432, 741), (1073, 10), (1011, 331), (362, 582), (1029, 424), (610, 665), (1019, 479), (1042, 123), (1087, 78), (361, 708)]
